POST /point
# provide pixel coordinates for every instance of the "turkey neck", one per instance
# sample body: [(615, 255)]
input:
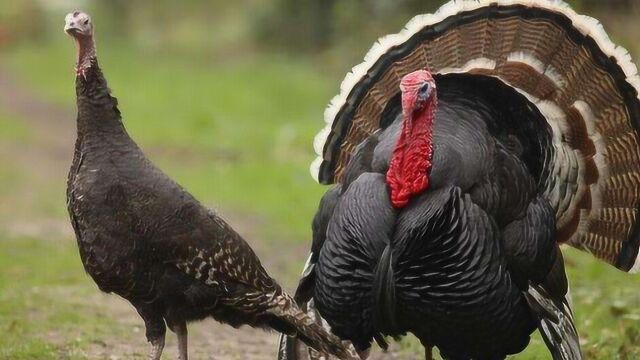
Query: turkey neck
[(97, 109), (411, 160)]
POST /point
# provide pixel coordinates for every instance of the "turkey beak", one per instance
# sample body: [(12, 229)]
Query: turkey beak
[(419, 103), (422, 96), (71, 30), (70, 26)]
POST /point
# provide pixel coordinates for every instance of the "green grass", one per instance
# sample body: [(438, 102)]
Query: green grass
[(13, 130), (248, 125), (236, 134), (44, 313), (13, 133), (16, 178), (607, 310)]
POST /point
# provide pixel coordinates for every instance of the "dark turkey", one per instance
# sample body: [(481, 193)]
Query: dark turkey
[(143, 237), (464, 151)]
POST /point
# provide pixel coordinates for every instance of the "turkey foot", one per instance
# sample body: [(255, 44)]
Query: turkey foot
[(156, 348)]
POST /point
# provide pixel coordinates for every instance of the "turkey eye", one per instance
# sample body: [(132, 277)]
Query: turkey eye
[(86, 21), (424, 89)]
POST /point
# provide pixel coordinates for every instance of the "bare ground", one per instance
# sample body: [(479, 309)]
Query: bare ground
[(46, 160)]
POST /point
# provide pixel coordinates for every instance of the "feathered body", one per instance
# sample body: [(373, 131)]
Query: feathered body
[(145, 238), (533, 142), (452, 265), (139, 232)]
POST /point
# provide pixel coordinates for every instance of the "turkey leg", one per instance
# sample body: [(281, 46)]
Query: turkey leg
[(428, 352), (181, 330), (155, 330)]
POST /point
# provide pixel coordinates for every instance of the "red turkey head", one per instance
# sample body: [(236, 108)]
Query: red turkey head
[(408, 172), (417, 89)]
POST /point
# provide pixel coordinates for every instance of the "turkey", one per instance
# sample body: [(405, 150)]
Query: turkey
[(463, 152), (143, 237)]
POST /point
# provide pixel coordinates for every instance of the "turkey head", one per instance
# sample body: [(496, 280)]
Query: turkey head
[(411, 161), (79, 25)]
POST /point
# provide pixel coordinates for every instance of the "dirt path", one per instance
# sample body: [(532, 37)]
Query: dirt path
[(47, 158)]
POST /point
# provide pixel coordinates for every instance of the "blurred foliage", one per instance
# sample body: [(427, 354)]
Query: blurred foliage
[(20, 20), (12, 130), (300, 26), (313, 25), (621, 5)]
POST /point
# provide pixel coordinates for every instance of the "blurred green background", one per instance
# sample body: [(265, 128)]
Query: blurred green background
[(225, 96)]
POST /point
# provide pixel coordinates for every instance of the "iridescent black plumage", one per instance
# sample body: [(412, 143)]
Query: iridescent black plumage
[(455, 266)]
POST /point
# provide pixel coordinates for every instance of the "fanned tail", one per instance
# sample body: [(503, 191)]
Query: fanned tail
[(581, 86)]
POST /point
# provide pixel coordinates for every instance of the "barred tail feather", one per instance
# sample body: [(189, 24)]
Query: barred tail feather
[(291, 348), (308, 331)]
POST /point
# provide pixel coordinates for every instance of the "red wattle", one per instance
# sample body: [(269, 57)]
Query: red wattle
[(410, 164)]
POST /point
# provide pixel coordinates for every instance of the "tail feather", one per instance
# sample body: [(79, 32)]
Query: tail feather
[(310, 332), (291, 348), (555, 322)]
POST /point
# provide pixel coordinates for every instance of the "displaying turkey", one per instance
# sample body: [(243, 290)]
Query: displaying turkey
[(463, 151), (143, 237)]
